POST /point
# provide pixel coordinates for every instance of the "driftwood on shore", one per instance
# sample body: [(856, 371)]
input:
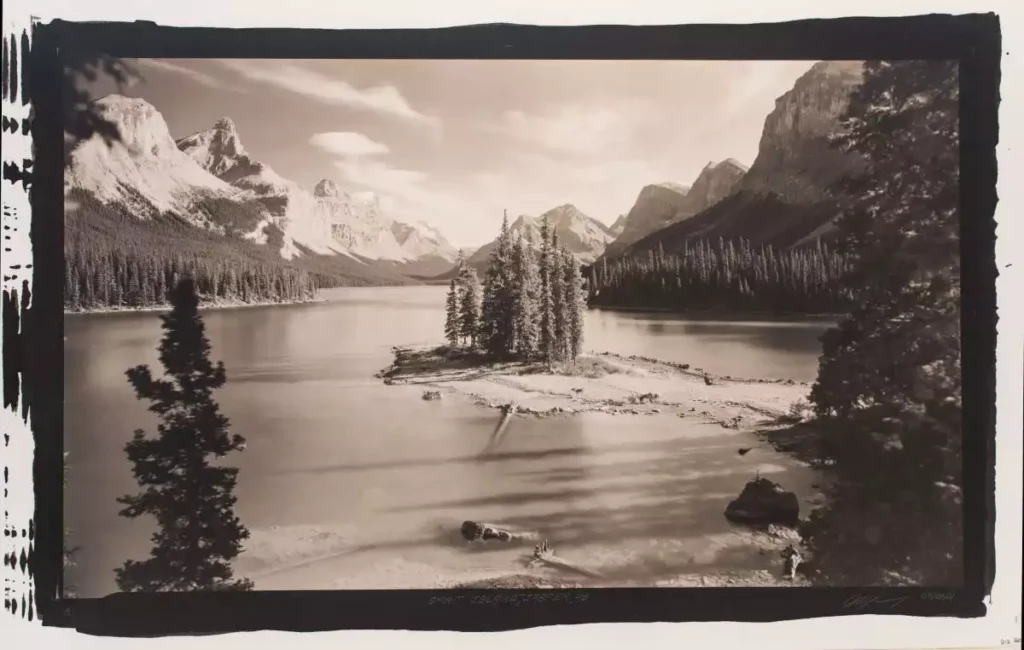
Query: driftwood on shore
[(507, 411), (545, 554)]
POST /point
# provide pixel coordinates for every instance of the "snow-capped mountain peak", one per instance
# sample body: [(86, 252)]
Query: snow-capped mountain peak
[(144, 170), (209, 179)]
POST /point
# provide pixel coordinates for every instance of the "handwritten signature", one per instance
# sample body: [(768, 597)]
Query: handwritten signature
[(861, 601)]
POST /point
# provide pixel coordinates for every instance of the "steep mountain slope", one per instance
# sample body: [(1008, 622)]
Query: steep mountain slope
[(715, 182), (655, 207), (616, 228), (664, 204), (146, 172), (145, 176), (787, 197)]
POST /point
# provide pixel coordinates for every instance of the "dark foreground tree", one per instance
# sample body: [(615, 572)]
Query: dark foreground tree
[(889, 389), (191, 499)]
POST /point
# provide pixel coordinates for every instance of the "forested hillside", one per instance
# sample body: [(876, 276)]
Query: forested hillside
[(723, 274), (114, 259)]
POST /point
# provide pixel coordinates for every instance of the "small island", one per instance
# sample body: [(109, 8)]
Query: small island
[(515, 345)]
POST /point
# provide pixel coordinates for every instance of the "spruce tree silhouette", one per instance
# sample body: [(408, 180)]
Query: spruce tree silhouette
[(193, 502)]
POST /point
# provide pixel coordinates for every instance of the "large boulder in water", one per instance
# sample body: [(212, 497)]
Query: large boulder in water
[(473, 531), (764, 502)]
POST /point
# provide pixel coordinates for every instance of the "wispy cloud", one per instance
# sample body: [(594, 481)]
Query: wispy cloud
[(573, 129), (385, 100), (382, 177), (347, 143), (176, 68)]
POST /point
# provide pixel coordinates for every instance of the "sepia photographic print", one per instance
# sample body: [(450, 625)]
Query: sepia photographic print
[(514, 326)]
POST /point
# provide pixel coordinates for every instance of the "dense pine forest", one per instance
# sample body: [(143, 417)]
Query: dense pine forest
[(727, 275), (530, 306), (113, 259)]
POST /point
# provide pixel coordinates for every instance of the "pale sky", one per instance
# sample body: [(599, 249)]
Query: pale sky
[(454, 143)]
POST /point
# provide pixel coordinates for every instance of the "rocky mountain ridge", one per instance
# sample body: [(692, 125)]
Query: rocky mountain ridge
[(788, 197), (209, 180)]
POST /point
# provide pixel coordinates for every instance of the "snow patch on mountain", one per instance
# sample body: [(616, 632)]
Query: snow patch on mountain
[(328, 220), (144, 170), (209, 179)]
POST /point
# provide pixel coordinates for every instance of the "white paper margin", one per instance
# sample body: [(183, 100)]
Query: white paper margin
[(17, 503), (1003, 621)]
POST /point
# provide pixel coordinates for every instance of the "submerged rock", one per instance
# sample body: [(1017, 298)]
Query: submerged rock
[(764, 502), (432, 395)]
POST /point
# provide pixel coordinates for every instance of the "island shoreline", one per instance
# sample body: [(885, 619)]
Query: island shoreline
[(632, 386)]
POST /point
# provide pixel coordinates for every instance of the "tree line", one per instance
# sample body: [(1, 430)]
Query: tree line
[(530, 306), (97, 278), (114, 259), (725, 275)]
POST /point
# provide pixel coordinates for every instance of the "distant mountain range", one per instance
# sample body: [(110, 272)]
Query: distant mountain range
[(209, 180), (786, 198), (664, 204)]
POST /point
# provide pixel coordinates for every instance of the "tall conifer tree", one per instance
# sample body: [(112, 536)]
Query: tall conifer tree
[(469, 307), (525, 308), (192, 500), (452, 315), (546, 306), (575, 303), (558, 304)]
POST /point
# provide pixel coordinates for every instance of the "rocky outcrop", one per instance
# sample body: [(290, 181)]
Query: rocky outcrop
[(144, 171), (327, 189), (715, 182), (656, 207), (764, 502), (474, 531), (794, 159)]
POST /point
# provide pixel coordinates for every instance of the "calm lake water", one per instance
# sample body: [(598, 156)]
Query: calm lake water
[(347, 483)]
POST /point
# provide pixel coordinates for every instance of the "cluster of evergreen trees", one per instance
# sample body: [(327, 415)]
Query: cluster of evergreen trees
[(531, 305), (725, 275), (889, 387)]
